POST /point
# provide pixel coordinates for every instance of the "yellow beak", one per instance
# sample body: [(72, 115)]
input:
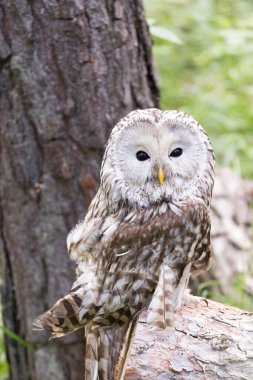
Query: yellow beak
[(161, 176)]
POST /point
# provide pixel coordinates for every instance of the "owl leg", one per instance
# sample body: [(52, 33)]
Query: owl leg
[(161, 308), (190, 298)]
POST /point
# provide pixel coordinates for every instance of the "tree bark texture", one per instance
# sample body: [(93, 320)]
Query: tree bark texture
[(211, 341), (69, 71)]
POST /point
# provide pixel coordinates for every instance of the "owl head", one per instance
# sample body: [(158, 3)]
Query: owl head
[(157, 156)]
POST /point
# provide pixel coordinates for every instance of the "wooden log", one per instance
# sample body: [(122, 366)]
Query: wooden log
[(210, 341)]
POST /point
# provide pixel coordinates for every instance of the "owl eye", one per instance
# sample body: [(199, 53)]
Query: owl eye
[(142, 156), (176, 152)]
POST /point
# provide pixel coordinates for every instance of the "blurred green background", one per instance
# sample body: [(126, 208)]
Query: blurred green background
[(203, 52)]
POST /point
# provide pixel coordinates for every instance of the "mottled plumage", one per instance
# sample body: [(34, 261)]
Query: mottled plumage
[(146, 231)]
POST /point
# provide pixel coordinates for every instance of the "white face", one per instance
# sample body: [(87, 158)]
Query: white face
[(167, 146)]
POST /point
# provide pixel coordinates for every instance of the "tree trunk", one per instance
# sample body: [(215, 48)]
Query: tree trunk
[(211, 341), (69, 71)]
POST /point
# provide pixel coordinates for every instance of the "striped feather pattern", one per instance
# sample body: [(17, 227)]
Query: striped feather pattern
[(161, 308), (139, 243)]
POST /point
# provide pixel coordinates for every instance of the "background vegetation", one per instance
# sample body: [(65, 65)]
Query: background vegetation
[(3, 364), (203, 54)]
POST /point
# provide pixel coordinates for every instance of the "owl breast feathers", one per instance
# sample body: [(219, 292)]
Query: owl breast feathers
[(146, 231)]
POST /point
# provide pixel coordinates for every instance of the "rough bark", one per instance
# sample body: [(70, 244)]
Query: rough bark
[(69, 71), (212, 341)]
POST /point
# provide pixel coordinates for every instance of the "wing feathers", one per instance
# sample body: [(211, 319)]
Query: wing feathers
[(62, 318)]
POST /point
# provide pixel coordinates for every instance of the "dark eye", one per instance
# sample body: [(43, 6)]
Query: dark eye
[(176, 152), (142, 156)]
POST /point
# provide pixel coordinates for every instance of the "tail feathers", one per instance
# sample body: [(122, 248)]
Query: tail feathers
[(91, 353), (121, 364), (107, 350), (62, 318)]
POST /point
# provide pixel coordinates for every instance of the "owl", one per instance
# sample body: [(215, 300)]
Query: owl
[(146, 231)]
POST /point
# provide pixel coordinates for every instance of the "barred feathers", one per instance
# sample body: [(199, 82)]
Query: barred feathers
[(161, 308), (141, 237), (106, 348), (62, 318)]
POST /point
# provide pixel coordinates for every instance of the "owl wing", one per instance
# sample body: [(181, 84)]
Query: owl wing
[(97, 226), (155, 252), (173, 279), (145, 260), (148, 253)]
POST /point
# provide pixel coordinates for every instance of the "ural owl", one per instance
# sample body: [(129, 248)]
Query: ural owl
[(146, 230)]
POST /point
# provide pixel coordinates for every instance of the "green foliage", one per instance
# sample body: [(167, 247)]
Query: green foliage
[(15, 337), (4, 374), (203, 54), (3, 363), (236, 295)]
